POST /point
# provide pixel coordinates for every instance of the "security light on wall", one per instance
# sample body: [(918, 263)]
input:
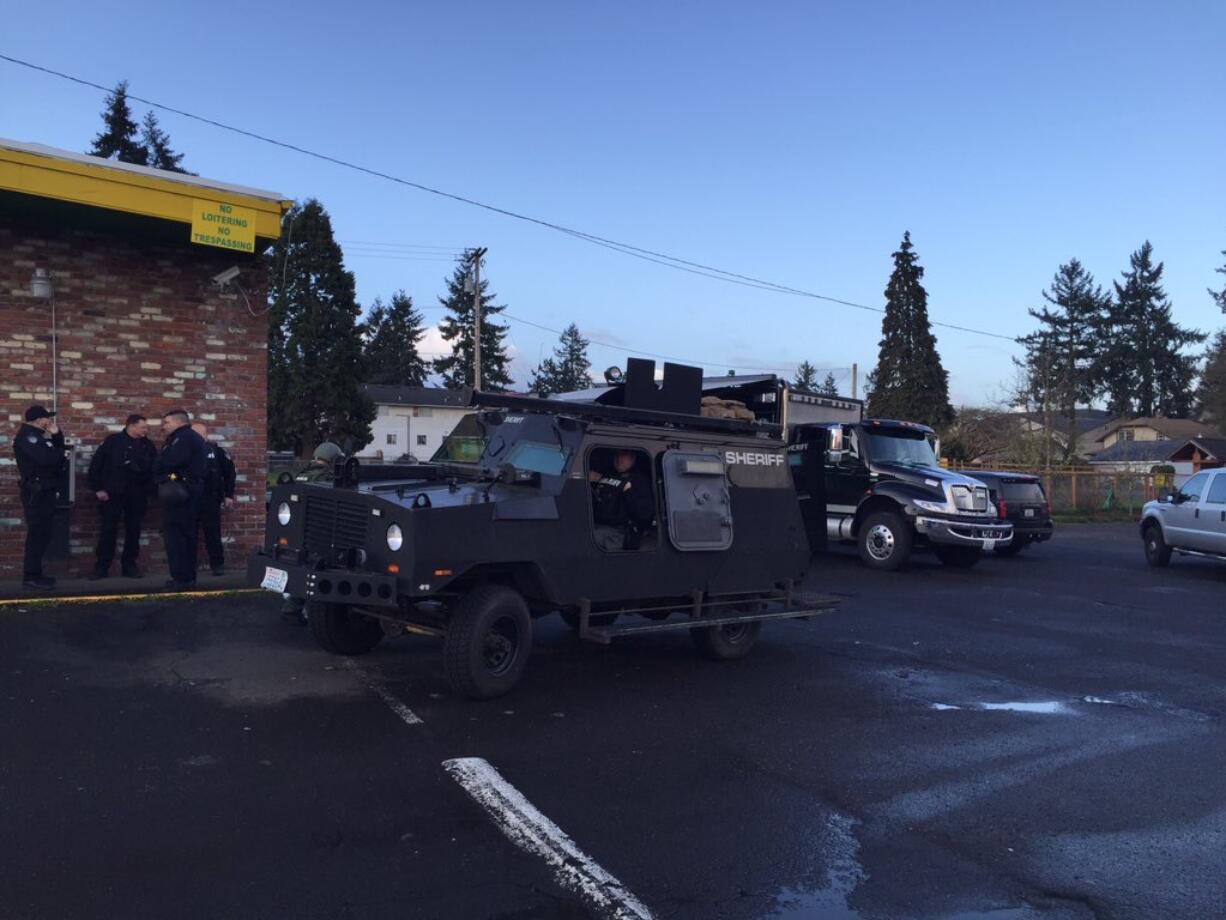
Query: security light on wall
[(40, 284)]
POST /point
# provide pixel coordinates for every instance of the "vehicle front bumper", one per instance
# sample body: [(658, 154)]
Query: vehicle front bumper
[(964, 532), (331, 585)]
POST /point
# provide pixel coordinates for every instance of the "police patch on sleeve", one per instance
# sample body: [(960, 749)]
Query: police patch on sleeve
[(32, 438)]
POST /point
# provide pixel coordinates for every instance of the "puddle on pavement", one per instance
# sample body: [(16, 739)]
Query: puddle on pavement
[(843, 874), (1050, 707)]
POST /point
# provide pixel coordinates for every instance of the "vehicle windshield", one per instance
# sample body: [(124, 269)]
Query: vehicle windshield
[(465, 444), (911, 448)]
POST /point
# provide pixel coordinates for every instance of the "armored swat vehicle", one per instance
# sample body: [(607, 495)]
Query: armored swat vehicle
[(643, 507), (878, 484)]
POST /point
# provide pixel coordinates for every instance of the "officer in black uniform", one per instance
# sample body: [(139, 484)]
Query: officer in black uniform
[(180, 470), (622, 502), (218, 493), (39, 447), (121, 476)]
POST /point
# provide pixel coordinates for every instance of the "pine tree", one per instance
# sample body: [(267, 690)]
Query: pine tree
[(1062, 356), (1219, 297), (392, 334), (315, 366), (908, 382), (457, 328), (1142, 369), (156, 142), (1211, 394), (118, 137), (806, 377), (567, 369), (829, 386)]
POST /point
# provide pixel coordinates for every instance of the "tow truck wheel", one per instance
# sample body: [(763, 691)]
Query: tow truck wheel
[(884, 540), (958, 557), (1157, 553), (341, 631), (489, 635)]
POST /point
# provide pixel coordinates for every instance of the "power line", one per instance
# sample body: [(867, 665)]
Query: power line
[(649, 255)]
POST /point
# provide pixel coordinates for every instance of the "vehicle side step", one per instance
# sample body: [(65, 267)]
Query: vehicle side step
[(812, 605)]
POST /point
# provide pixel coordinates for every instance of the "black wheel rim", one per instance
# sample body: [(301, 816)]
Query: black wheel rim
[(735, 632), (500, 647)]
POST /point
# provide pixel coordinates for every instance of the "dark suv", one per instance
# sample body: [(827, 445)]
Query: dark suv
[(1019, 499)]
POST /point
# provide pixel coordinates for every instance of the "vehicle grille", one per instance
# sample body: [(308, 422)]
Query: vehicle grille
[(334, 525), (966, 499)]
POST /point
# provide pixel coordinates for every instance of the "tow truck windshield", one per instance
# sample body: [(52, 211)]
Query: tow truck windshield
[(909, 447)]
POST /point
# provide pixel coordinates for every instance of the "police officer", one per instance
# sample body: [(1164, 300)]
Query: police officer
[(39, 447), (180, 470), (121, 476), (622, 503), (218, 493)]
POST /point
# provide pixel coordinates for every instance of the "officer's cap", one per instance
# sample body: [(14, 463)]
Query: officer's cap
[(34, 413)]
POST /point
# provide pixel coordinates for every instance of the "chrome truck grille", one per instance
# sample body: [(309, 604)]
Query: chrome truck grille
[(967, 499), (334, 525)]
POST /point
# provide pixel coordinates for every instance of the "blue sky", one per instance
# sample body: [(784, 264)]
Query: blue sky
[(789, 141)]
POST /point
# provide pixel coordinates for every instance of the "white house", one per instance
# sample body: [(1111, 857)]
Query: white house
[(412, 420)]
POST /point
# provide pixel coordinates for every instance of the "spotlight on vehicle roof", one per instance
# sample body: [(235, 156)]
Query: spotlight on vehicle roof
[(613, 375)]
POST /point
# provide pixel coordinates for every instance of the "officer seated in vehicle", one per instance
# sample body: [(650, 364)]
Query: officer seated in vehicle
[(623, 500)]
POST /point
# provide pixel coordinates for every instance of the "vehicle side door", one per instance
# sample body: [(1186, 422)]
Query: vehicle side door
[(847, 476), (1183, 522), (1213, 513)]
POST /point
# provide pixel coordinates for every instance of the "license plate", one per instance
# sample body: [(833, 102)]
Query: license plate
[(1029, 513), (275, 579), (989, 545)]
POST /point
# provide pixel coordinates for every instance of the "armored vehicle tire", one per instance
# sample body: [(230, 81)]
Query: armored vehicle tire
[(571, 617), (1157, 553), (726, 643), (958, 557), (489, 635), (341, 631), (884, 540), (1012, 548)]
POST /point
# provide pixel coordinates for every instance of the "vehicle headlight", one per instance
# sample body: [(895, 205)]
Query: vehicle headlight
[(283, 513), (929, 506), (395, 537)]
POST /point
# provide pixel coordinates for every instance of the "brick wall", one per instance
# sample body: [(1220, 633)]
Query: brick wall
[(141, 329)]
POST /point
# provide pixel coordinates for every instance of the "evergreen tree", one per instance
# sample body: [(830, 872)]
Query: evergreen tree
[(315, 365), (1211, 394), (1219, 297), (118, 138), (908, 382), (457, 328), (1142, 369), (567, 369), (829, 386), (1062, 356), (156, 143), (806, 377), (392, 334)]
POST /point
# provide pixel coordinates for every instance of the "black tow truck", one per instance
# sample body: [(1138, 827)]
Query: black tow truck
[(878, 484), (474, 551)]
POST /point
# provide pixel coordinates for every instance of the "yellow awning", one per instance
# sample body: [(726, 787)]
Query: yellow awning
[(47, 172)]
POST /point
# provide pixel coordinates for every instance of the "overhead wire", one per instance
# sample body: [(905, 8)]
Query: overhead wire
[(640, 252)]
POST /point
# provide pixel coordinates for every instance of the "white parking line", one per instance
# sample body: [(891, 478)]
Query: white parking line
[(407, 715), (530, 830)]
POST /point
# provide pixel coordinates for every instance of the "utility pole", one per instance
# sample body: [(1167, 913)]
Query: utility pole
[(854, 372), (477, 255)]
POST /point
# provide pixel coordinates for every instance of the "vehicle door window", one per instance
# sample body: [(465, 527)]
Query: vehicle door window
[(1191, 490), (623, 499), (1217, 491)]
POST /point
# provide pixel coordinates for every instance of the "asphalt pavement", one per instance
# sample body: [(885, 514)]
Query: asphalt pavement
[(1037, 737)]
